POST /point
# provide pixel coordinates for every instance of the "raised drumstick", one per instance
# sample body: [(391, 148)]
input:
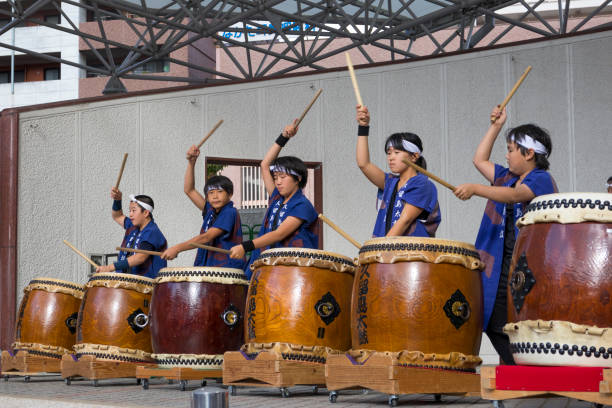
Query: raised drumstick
[(514, 89), (121, 170), (210, 133), (210, 248), (308, 107), (82, 255), (430, 175), (339, 231), (139, 251), (349, 64)]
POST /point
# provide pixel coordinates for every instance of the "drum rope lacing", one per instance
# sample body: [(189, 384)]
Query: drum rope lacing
[(121, 279), (216, 274), (419, 247), (309, 255), (534, 347), (113, 357), (65, 285), (41, 353), (190, 361), (566, 203), (436, 367)]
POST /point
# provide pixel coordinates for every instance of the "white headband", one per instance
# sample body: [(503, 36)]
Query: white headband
[(609, 185), (214, 187), (408, 146), (529, 142), (140, 203), (281, 169)]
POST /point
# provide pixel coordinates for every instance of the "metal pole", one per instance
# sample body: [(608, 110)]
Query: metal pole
[(13, 53)]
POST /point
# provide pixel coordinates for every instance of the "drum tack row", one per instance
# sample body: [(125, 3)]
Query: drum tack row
[(405, 318)]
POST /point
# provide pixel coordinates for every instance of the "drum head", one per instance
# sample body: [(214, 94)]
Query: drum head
[(305, 257), (56, 286), (211, 274), (568, 208), (121, 281)]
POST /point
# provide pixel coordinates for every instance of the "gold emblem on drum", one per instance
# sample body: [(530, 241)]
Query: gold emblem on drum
[(327, 308), (231, 316)]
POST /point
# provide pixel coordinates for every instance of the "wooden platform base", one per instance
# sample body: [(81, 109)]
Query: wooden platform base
[(268, 370), (489, 389), (384, 374), (25, 362), (181, 374), (91, 368)]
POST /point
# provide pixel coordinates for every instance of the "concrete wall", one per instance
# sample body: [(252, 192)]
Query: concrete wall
[(69, 156)]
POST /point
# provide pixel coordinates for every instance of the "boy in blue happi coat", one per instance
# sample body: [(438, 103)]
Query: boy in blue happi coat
[(409, 200), (511, 189), (141, 232), (290, 219), (221, 225)]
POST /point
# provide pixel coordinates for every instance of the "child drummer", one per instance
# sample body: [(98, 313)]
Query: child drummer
[(409, 199), (141, 232), (221, 226), (511, 189), (290, 218)]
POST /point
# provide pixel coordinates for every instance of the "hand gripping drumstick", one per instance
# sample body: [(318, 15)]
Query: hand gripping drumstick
[(428, 174), (210, 248), (210, 133), (349, 64), (514, 89), (139, 251), (121, 170), (308, 107), (339, 230), (82, 255)]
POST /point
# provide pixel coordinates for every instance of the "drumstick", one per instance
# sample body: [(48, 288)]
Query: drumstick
[(210, 133), (353, 78), (210, 248), (82, 255), (121, 170), (308, 107), (339, 230), (139, 251), (428, 174), (514, 89)]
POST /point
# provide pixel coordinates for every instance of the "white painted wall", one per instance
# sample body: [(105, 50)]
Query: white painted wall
[(70, 156)]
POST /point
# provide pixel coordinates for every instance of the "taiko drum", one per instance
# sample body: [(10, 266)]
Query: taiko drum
[(47, 319), (196, 315)]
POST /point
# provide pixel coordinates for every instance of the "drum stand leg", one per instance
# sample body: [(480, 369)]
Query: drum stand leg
[(333, 396), (393, 400), (284, 391)]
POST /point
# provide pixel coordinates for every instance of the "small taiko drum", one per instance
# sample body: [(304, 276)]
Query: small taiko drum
[(560, 283), (197, 315), (421, 298), (298, 304), (113, 318), (47, 318)]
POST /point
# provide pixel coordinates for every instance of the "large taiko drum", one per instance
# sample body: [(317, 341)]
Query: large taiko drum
[(560, 283), (47, 317), (421, 298), (298, 304), (197, 315), (113, 319)]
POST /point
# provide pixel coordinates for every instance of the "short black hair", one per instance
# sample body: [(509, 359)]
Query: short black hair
[(395, 140), (537, 133), (610, 180), (221, 181), (295, 164), (147, 200)]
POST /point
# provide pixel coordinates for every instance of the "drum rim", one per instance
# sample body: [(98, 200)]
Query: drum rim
[(210, 274), (43, 280), (417, 240), (299, 252), (121, 277)]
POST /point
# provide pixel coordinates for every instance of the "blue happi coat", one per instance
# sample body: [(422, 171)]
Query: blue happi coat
[(150, 238)]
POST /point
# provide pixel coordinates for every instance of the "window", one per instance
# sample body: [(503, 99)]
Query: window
[(52, 74), (5, 76), (153, 66), (53, 19)]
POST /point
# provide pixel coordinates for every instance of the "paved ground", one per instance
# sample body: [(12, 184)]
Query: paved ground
[(51, 392)]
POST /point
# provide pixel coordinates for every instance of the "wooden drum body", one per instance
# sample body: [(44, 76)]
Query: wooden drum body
[(421, 298), (560, 283), (298, 303), (197, 315), (113, 318), (47, 319)]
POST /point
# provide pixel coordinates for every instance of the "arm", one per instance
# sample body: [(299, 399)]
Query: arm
[(483, 151), (518, 194), (204, 238), (286, 228), (288, 132), (407, 217), (117, 214), (370, 170), (133, 260), (189, 184)]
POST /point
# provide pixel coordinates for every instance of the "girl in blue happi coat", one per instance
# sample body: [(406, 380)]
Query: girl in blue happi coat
[(141, 232), (290, 219), (511, 189), (409, 200)]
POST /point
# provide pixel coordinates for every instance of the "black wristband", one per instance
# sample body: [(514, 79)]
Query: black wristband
[(121, 265), (282, 140), (363, 130), (248, 246), (116, 205)]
